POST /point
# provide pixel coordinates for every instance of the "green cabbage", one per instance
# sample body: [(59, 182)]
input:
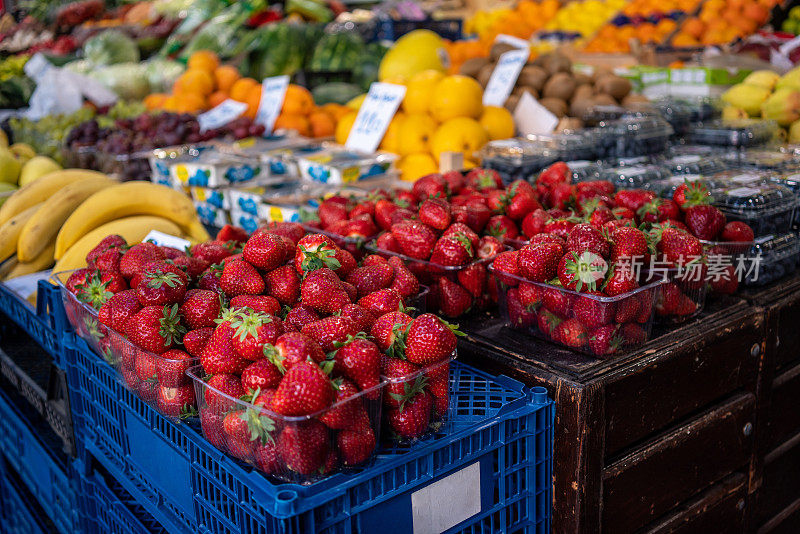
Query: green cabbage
[(128, 80), (162, 73), (110, 47)]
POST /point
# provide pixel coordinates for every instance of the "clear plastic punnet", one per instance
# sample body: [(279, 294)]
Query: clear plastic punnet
[(734, 132), (635, 176), (632, 136), (695, 164), (767, 208)]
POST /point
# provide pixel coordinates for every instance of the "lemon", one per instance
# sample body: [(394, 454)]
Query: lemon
[(344, 126), (419, 91), (414, 52), (415, 133), (457, 96), (461, 134), (356, 102), (391, 139), (497, 122), (415, 166)]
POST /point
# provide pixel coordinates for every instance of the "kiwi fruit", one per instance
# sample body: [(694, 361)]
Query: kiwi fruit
[(568, 124), (633, 99), (560, 85), (485, 73), (556, 106), (601, 71), (603, 99), (511, 103), (581, 78), (498, 49), (519, 90), (583, 92), (580, 107), (555, 62), (472, 67), (533, 76), (613, 85)]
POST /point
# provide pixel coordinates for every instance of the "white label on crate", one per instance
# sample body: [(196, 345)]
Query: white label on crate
[(744, 178), (516, 42), (763, 239), (221, 115), (504, 77), (273, 90), (25, 286), (533, 118), (579, 164), (742, 192), (447, 502), (165, 240), (680, 160), (374, 116)]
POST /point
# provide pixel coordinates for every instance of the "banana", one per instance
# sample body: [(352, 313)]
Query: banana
[(41, 189), (132, 229), (38, 263), (6, 267), (124, 200), (46, 222), (10, 230)]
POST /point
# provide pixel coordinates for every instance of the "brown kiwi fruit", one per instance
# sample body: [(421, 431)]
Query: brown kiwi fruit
[(511, 103), (556, 106), (581, 78), (472, 67), (601, 71), (569, 123), (555, 62), (604, 100), (519, 90), (613, 85), (633, 99), (583, 92), (533, 76), (580, 107), (560, 85), (485, 73), (498, 49)]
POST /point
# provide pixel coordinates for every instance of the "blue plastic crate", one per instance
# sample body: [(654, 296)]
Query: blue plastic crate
[(46, 322), (18, 513), (49, 478), (498, 443), (391, 29)]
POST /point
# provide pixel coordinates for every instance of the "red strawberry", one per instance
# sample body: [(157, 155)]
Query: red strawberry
[(240, 278), (556, 300), (388, 328), (559, 227), (571, 333), (231, 233), (520, 200), (266, 251), (632, 334), (299, 316), (94, 291), (473, 279), (482, 179), (430, 186), (330, 212), (628, 309), (176, 401), (322, 290), (530, 295), (360, 361), (304, 390), (195, 340), (138, 256), (414, 238), (218, 387), (343, 413), (356, 446), (679, 247), (554, 174), (584, 237), (621, 280), (210, 279), (627, 243), (258, 303), (107, 243), (534, 223), (303, 447), (539, 263), (200, 308), (737, 232), (315, 251), (502, 226), (260, 375), (475, 216), (211, 252), (489, 247), (371, 278), (547, 322), (331, 330), (387, 242), (658, 210), (171, 368), (672, 301), (411, 420), (691, 194), (116, 311), (726, 282), (78, 278), (145, 365), (291, 230), (283, 284), (605, 340), (109, 260), (455, 180), (155, 328), (363, 317), (114, 280), (600, 217), (507, 262), (430, 339), (347, 263), (519, 316), (453, 299), (404, 281), (292, 348), (252, 331), (561, 195), (219, 354), (594, 312), (704, 221), (461, 230), (633, 199), (435, 212), (382, 301)]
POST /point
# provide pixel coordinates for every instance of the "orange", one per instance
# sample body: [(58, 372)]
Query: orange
[(253, 101), (322, 124), (204, 60), (172, 103), (756, 12), (225, 76), (194, 81), (298, 100), (241, 88), (155, 100), (693, 27), (289, 121), (191, 103), (684, 40), (337, 111), (216, 98)]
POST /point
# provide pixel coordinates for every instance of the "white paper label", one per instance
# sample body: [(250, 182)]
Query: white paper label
[(579, 164), (447, 502), (25, 286), (504, 77), (273, 91), (513, 41), (374, 116), (742, 192), (533, 118), (165, 240), (221, 115), (680, 160), (744, 178), (631, 171)]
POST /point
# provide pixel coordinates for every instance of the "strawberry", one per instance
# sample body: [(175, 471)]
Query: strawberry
[(107, 243), (453, 250), (554, 174), (361, 228), (430, 339), (266, 251), (628, 309), (403, 281), (530, 296), (290, 230), (231, 233), (415, 239), (455, 180), (304, 390), (258, 303), (137, 257), (389, 329), (78, 278), (518, 315), (473, 279), (460, 230), (507, 263), (195, 340), (94, 292), (571, 333), (633, 199), (343, 413), (176, 401), (371, 278), (303, 447), (645, 305), (453, 299), (171, 368), (658, 210), (411, 420), (600, 217), (114, 280), (315, 251), (605, 340), (239, 438), (299, 316), (502, 226), (679, 247), (547, 322), (556, 300), (331, 330), (218, 388), (384, 209), (430, 186), (534, 223), (252, 331), (489, 247), (283, 284), (363, 317), (145, 365), (483, 179), (240, 278), (737, 232), (330, 212), (672, 301), (387, 242), (194, 267), (155, 328), (594, 312), (322, 290), (691, 194), (219, 354), (704, 221), (560, 227), (360, 361), (108, 261), (356, 446), (210, 278), (632, 334), (211, 252), (621, 280), (347, 263), (212, 424), (519, 200), (116, 311), (475, 216), (148, 391), (561, 195), (382, 301), (726, 283), (292, 348), (539, 263), (628, 243), (260, 375), (165, 284), (584, 237), (435, 212)]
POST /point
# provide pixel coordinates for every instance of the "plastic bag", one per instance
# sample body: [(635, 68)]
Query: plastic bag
[(110, 47)]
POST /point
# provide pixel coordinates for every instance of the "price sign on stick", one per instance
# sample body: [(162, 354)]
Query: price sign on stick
[(374, 116), (504, 77), (221, 115), (273, 91), (533, 118)]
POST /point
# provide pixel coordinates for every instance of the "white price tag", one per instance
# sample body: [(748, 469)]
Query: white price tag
[(374, 116), (221, 115), (447, 502), (27, 285), (516, 42), (36, 66), (533, 118), (273, 91), (165, 240), (504, 77)]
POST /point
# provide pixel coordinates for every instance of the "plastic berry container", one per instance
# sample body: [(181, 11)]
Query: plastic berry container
[(678, 114), (632, 136), (353, 245), (584, 170), (772, 258), (160, 381), (592, 324), (515, 159), (767, 208), (734, 132), (666, 188), (297, 449), (696, 150), (695, 164), (765, 159), (434, 380), (681, 294), (562, 146), (634, 176)]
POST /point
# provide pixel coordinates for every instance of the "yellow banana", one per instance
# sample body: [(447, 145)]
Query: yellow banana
[(46, 222), (132, 229), (128, 199), (6, 267), (39, 263), (41, 189), (10, 230)]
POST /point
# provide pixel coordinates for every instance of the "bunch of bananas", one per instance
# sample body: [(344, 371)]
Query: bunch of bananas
[(64, 214)]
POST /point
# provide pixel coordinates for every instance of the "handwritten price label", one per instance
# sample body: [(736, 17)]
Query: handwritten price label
[(374, 116), (504, 77), (273, 91), (221, 115)]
